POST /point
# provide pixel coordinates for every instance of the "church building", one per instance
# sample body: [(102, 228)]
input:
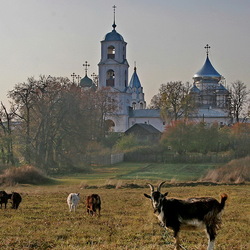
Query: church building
[(208, 89)]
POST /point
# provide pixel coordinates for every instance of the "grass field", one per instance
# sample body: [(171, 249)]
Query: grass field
[(127, 221), (140, 171), (43, 220)]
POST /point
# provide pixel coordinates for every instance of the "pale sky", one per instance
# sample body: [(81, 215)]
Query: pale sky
[(166, 38)]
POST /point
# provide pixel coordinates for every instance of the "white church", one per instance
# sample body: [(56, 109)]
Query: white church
[(208, 89)]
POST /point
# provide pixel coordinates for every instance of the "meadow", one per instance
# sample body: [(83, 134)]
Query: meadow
[(43, 220)]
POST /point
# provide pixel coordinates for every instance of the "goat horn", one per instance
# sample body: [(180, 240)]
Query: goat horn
[(159, 187), (151, 187)]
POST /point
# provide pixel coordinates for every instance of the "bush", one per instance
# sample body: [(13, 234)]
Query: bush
[(236, 171), (23, 175)]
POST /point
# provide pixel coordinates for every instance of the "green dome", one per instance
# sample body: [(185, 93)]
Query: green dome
[(86, 82)]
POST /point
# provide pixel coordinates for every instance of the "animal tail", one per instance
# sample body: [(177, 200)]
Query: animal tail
[(223, 201)]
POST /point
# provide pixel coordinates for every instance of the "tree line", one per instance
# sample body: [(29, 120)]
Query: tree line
[(55, 124), (51, 122)]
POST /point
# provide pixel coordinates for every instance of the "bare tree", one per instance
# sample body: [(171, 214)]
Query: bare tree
[(238, 98), (6, 138)]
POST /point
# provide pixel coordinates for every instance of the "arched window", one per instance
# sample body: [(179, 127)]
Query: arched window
[(134, 105), (111, 52), (110, 79), (141, 105)]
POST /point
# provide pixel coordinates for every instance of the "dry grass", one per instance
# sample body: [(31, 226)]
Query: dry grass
[(24, 175), (127, 221), (236, 171)]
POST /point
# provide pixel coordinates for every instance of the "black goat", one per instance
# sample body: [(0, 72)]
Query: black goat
[(190, 214), (16, 200), (4, 198)]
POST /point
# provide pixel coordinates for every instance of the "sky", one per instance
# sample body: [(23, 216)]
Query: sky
[(165, 38)]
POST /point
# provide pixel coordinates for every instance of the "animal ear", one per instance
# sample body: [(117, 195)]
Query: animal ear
[(147, 196), (165, 194)]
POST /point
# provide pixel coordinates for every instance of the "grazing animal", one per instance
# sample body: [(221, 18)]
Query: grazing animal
[(16, 200), (73, 200), (94, 204), (4, 198), (190, 214)]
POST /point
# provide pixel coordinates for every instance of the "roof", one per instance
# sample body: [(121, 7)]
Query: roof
[(113, 36), (211, 113), (194, 89), (135, 82), (151, 113), (86, 82), (146, 127), (207, 71)]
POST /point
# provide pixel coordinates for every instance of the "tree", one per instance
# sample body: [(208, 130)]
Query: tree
[(238, 96), (59, 120), (23, 97), (6, 137), (174, 101)]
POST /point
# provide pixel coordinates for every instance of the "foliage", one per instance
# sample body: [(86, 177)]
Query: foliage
[(126, 143), (174, 101), (240, 139), (57, 120), (184, 136)]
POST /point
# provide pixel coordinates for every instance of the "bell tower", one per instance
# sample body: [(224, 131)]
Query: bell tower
[(113, 66)]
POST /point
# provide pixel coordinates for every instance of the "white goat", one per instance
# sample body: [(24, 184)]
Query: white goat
[(73, 200)]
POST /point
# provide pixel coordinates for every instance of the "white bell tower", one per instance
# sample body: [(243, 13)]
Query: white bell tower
[(113, 66), (113, 73)]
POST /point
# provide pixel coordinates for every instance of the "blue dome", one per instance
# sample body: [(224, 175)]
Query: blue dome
[(113, 36), (86, 82), (194, 89), (207, 71)]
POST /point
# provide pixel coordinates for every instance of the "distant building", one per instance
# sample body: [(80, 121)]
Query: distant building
[(144, 133), (208, 89)]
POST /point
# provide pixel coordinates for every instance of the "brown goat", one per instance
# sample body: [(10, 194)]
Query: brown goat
[(94, 204)]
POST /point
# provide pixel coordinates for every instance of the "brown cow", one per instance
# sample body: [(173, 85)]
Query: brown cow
[(93, 204)]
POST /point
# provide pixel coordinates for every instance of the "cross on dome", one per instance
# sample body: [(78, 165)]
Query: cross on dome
[(114, 25), (207, 47), (86, 65)]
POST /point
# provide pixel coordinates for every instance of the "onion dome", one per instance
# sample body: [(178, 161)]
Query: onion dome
[(194, 90), (221, 88), (86, 82), (135, 82), (207, 72), (113, 36)]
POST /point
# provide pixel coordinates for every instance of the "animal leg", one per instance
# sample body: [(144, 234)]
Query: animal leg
[(211, 237), (177, 240)]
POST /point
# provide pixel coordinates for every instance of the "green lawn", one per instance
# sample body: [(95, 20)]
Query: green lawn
[(141, 171)]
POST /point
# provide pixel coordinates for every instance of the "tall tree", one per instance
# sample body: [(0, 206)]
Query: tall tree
[(6, 137), (23, 97), (238, 95), (174, 101), (59, 119)]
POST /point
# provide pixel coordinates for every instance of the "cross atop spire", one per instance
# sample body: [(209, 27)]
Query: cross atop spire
[(86, 65), (114, 25), (207, 47)]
